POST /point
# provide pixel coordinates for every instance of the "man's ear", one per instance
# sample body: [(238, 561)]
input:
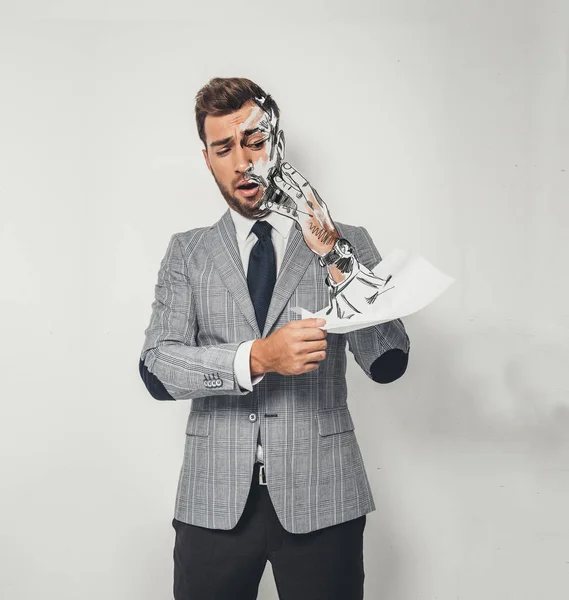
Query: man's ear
[(280, 144), (206, 156)]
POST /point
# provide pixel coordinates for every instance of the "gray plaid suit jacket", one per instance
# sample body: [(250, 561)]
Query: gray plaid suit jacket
[(201, 313)]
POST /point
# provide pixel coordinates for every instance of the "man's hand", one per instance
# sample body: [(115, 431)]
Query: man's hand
[(296, 348), (311, 212)]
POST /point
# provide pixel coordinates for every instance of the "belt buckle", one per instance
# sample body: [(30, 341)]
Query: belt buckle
[(262, 475)]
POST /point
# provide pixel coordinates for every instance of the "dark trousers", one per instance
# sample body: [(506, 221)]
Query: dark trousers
[(218, 564)]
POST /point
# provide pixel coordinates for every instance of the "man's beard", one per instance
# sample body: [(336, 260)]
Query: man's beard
[(241, 206)]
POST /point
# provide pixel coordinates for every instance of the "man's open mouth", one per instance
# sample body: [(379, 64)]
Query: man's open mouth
[(249, 189)]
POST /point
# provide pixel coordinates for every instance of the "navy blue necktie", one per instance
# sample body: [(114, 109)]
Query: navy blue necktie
[(262, 271)]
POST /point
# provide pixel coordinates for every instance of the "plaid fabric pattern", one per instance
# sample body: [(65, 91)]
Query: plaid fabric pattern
[(201, 313)]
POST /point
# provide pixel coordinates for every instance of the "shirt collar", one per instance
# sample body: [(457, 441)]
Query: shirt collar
[(243, 225)]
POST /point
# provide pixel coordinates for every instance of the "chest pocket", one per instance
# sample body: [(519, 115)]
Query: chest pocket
[(312, 292)]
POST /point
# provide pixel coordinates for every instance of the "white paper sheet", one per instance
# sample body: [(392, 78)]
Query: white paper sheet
[(414, 284)]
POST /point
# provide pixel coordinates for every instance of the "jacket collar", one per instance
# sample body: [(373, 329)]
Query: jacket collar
[(243, 225)]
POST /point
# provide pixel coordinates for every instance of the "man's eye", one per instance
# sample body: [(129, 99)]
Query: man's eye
[(223, 152), (258, 145)]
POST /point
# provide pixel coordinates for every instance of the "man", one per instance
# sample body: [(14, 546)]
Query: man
[(272, 469)]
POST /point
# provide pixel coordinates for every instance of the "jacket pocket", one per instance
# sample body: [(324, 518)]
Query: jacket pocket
[(334, 420), (198, 423)]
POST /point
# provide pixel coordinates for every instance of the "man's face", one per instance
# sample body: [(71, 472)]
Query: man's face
[(242, 150)]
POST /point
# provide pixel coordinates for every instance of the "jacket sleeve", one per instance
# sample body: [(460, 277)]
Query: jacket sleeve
[(382, 351), (171, 364)]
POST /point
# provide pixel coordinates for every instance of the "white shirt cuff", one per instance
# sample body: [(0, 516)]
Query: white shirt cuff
[(242, 367)]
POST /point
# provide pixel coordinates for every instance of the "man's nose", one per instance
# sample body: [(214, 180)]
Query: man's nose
[(242, 160)]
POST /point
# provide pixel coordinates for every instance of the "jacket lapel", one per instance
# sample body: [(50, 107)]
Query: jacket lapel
[(296, 259), (295, 262), (221, 242)]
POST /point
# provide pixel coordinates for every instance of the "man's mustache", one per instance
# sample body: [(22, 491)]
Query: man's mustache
[(252, 176)]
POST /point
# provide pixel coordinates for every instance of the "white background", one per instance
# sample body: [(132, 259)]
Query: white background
[(443, 127)]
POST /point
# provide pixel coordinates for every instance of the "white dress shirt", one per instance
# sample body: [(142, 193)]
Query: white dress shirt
[(246, 239)]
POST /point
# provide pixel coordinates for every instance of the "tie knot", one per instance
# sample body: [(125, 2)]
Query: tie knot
[(262, 229)]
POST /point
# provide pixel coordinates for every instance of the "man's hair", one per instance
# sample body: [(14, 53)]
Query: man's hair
[(224, 95)]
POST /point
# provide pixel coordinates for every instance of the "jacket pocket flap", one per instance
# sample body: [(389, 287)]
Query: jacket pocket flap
[(334, 420), (198, 423)]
